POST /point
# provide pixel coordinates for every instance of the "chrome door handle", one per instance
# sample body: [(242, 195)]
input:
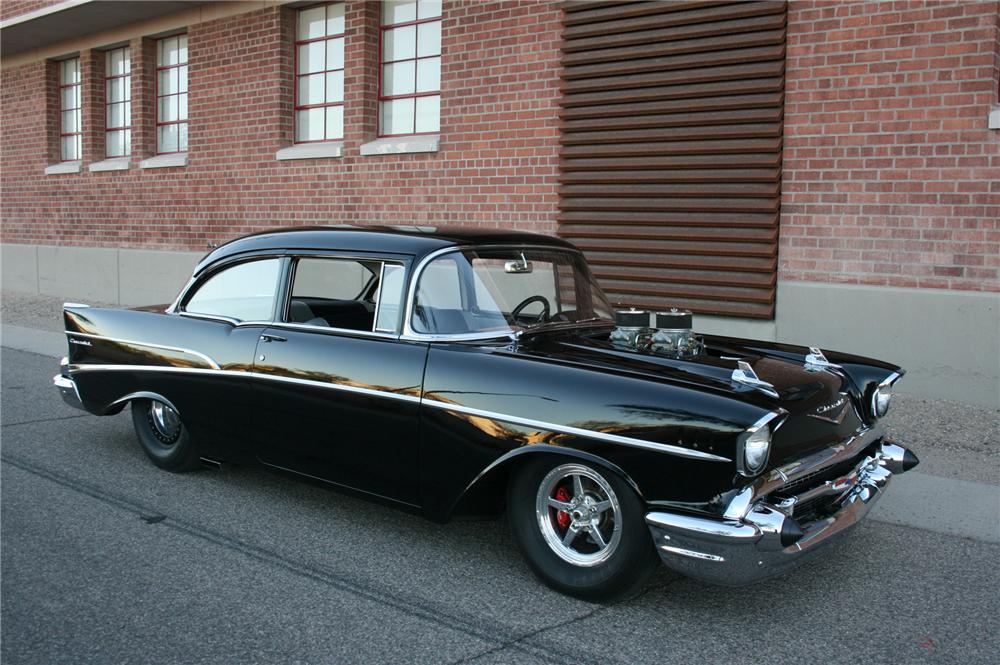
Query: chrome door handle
[(272, 338)]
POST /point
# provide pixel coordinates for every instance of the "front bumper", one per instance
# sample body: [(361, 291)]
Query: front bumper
[(67, 386), (766, 539)]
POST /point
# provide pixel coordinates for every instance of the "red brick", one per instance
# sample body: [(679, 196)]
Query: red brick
[(497, 164), (925, 213)]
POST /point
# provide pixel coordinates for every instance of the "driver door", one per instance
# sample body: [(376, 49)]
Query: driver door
[(338, 393)]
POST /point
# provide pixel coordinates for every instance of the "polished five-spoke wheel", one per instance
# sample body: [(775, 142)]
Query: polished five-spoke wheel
[(579, 515), (162, 435), (581, 527)]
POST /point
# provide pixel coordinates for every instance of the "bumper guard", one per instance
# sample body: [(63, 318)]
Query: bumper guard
[(767, 540), (67, 386)]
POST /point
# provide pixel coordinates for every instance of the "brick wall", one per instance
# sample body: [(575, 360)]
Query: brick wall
[(12, 8), (497, 164), (890, 174)]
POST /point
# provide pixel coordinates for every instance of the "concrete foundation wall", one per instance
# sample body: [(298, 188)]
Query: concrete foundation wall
[(120, 276), (948, 341)]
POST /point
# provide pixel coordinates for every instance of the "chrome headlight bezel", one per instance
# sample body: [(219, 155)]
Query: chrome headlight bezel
[(882, 396), (754, 445)]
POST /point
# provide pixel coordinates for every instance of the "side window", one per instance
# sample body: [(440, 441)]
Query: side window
[(331, 278), (334, 293), (390, 298), (245, 292)]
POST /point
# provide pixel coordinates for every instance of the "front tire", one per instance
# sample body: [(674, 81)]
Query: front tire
[(163, 436), (580, 528)]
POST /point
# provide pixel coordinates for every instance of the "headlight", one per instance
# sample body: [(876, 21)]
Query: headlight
[(754, 445), (883, 395), (880, 401), (755, 450)]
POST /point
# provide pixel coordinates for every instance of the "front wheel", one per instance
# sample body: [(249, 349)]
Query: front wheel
[(163, 436), (581, 529)]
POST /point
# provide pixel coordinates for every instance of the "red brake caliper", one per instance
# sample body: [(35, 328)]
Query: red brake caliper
[(562, 517)]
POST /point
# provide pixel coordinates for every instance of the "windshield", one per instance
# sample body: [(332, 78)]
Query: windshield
[(505, 289)]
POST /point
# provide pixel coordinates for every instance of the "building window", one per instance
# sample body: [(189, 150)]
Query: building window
[(70, 127), (410, 81), (118, 102), (319, 73), (172, 94)]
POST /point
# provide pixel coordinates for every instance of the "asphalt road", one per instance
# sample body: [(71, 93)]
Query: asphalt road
[(106, 559)]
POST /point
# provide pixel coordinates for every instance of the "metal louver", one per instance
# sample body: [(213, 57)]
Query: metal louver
[(671, 150)]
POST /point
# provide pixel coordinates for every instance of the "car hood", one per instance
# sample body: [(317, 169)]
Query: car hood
[(824, 407)]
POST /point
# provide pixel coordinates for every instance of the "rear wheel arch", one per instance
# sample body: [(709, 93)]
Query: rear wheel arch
[(163, 436), (120, 403)]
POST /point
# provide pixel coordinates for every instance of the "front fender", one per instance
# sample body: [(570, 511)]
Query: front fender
[(487, 488)]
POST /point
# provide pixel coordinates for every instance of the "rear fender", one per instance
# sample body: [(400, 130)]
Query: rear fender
[(121, 402)]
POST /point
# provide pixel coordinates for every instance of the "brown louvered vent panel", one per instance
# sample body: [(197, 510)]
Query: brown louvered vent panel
[(671, 150)]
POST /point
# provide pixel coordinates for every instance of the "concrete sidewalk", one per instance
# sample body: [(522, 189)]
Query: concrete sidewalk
[(33, 340), (955, 492)]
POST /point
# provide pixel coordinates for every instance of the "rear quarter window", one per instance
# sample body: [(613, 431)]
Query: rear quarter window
[(245, 292)]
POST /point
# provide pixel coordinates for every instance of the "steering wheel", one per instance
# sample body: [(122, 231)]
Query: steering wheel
[(546, 307)]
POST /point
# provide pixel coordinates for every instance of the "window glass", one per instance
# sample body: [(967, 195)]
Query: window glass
[(500, 290), (118, 102), (440, 285), (319, 74), (70, 126), (390, 298), (409, 99), (330, 278), (397, 116), (428, 114), (245, 291), (334, 293), (171, 94), (429, 39)]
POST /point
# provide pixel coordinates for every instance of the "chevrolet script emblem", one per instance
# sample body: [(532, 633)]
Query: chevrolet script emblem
[(831, 413)]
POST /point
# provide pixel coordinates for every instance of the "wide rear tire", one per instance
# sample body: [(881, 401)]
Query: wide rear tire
[(163, 437), (581, 528)]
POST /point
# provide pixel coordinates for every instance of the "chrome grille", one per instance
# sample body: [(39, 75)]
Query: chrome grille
[(814, 507)]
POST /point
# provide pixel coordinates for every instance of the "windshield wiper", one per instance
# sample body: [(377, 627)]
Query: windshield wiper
[(549, 325)]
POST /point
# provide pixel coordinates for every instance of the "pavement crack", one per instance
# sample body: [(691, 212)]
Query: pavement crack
[(471, 626), (45, 420), (517, 642)]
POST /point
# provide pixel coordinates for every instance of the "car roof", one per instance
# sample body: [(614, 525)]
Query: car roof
[(417, 241)]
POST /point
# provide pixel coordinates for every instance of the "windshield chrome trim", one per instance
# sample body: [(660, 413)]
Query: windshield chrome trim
[(411, 295), (179, 349)]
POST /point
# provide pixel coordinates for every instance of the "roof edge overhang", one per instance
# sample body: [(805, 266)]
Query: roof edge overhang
[(37, 34)]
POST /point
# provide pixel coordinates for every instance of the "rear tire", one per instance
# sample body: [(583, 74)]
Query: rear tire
[(599, 547), (163, 436)]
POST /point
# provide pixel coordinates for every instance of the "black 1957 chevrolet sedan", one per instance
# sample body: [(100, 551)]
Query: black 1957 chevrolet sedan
[(454, 371)]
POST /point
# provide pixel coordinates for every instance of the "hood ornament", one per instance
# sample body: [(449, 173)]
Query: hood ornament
[(744, 374), (817, 362)]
